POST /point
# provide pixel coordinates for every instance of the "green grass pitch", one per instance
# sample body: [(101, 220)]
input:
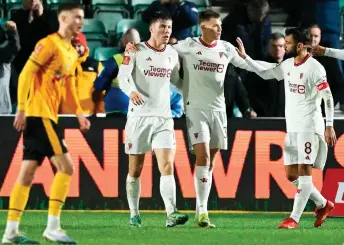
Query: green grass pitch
[(111, 228)]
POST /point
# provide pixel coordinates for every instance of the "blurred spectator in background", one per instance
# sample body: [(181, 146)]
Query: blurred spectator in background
[(267, 96), (184, 15), (236, 95), (33, 23), (9, 47), (332, 67), (115, 100), (251, 23), (86, 73)]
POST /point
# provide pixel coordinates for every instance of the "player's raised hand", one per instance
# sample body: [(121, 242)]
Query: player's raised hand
[(84, 123), (241, 48), (316, 50), (330, 136), (136, 98), (130, 47), (20, 121), (11, 25)]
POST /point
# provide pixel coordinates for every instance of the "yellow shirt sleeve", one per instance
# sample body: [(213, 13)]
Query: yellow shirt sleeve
[(43, 53)]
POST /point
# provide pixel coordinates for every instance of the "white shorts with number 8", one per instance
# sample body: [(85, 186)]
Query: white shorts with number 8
[(305, 148)]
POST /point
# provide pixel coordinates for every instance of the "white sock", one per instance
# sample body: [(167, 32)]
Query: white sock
[(53, 223), (133, 186), (319, 200), (201, 179), (12, 227), (168, 192), (207, 191), (302, 196)]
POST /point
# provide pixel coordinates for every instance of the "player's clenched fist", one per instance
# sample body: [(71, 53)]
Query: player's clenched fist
[(136, 98), (130, 47), (10, 25), (330, 136)]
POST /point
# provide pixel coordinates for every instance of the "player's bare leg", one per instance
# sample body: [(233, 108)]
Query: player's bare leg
[(133, 186), (323, 206), (305, 186), (165, 158), (202, 180), (18, 200), (58, 195)]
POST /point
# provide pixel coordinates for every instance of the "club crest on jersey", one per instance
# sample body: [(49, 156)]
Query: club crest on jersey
[(221, 54), (130, 146), (199, 53), (288, 73), (149, 59), (196, 135), (38, 48), (301, 75)]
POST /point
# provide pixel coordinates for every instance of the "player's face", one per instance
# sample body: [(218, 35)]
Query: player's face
[(290, 46), (212, 29), (161, 30), (277, 48), (80, 49), (314, 34), (75, 21)]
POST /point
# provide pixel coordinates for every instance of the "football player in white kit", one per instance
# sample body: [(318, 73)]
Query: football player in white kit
[(205, 60), (305, 145), (145, 77)]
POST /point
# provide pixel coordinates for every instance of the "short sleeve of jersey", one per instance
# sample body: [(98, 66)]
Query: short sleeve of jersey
[(43, 52), (319, 76)]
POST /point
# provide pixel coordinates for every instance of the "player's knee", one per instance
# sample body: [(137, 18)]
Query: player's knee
[(66, 168), (26, 178), (167, 168), (203, 160)]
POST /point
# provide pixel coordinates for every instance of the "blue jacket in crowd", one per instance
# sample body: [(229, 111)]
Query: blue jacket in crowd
[(117, 101)]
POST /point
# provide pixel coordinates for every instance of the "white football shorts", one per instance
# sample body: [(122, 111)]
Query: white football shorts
[(305, 148), (144, 134), (205, 126)]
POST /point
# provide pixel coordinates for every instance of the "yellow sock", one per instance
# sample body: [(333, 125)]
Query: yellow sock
[(18, 200), (58, 193)]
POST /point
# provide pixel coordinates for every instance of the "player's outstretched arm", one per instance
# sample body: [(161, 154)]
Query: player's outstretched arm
[(125, 79), (263, 69), (330, 52)]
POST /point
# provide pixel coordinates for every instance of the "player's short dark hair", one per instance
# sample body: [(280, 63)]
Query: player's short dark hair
[(258, 4), (276, 36), (159, 15), (68, 6), (207, 15), (299, 35)]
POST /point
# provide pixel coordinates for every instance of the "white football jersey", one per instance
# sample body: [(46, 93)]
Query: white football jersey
[(204, 72), (149, 72), (302, 84)]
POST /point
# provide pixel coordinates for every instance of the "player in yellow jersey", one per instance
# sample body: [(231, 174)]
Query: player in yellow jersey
[(50, 68)]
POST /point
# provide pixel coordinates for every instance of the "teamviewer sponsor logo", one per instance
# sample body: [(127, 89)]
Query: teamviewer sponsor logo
[(209, 66), (158, 72), (296, 88)]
